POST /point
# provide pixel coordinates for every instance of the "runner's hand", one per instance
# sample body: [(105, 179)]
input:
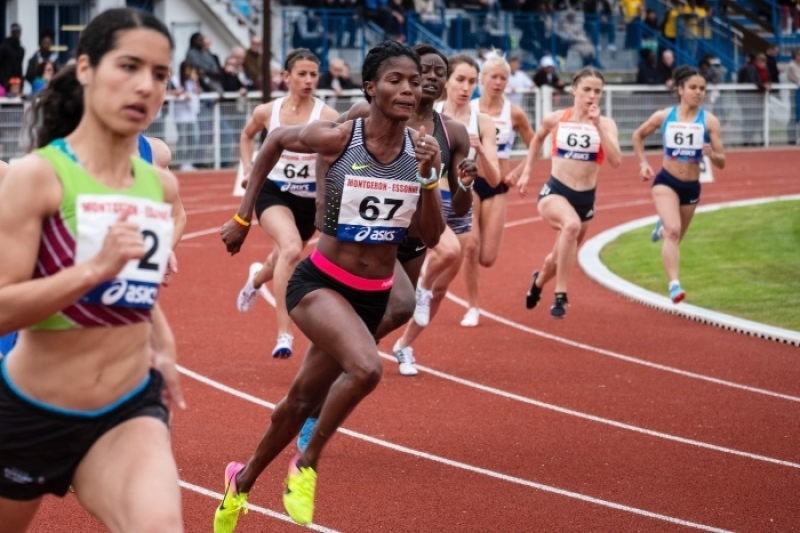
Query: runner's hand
[(164, 361), (233, 235), (425, 149), (122, 243), (172, 268), (646, 171), (467, 171)]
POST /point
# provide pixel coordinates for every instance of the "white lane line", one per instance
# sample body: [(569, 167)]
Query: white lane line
[(627, 358), (462, 466), (195, 234), (261, 510), (593, 418)]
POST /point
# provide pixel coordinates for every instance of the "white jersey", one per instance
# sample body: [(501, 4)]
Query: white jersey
[(504, 128), (295, 173), (472, 125)]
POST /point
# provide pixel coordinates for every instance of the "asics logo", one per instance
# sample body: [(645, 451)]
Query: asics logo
[(377, 235), (682, 152), (114, 293), (360, 166), (581, 156), (121, 292)]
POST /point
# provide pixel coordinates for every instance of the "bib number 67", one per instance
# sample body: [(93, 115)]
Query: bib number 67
[(370, 207)]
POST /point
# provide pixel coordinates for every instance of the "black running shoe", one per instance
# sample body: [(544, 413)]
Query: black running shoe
[(534, 294), (559, 307)]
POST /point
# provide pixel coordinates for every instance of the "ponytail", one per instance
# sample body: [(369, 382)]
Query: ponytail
[(57, 110)]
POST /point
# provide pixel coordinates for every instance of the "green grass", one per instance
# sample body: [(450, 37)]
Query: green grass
[(744, 261)]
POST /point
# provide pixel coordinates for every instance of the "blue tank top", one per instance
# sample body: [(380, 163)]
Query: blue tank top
[(683, 141), (145, 150)]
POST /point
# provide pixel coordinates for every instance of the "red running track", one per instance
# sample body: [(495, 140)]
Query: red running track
[(618, 418)]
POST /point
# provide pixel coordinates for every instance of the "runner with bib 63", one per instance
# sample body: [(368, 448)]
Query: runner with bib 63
[(690, 133), (582, 139)]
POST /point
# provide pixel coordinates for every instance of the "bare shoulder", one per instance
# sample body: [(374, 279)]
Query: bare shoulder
[(262, 113), (328, 113), (712, 122), (551, 119), (327, 137), (32, 179), (608, 122), (169, 184), (162, 155), (3, 168)]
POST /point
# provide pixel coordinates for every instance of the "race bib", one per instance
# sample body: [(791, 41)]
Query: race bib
[(577, 141), (376, 211), (684, 139), (138, 283), (296, 174)]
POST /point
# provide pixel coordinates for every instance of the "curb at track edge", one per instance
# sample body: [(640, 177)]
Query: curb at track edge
[(595, 269)]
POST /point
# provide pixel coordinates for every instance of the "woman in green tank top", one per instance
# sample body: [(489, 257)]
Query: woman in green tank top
[(84, 404)]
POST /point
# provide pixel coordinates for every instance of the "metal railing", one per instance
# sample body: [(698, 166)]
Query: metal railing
[(211, 140)]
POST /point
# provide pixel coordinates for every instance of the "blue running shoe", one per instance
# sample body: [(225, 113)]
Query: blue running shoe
[(656, 235), (305, 434), (677, 294)]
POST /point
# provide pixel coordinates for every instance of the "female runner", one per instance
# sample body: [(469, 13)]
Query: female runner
[(285, 206), (91, 228), (690, 132), (482, 244), (444, 262), (582, 140), (378, 173)]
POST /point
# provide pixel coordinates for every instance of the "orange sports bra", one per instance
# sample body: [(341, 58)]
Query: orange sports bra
[(577, 141)]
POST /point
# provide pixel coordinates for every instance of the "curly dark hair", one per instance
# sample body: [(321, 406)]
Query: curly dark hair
[(379, 55), (58, 109)]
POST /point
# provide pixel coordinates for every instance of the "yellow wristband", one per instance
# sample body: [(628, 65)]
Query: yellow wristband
[(242, 222), (429, 187)]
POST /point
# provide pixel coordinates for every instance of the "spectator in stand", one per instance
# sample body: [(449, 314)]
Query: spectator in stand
[(231, 81), (598, 19), (310, 33), (201, 59), (649, 73), (570, 35), (44, 73), (397, 26), (773, 69), (11, 56), (752, 105), (633, 15), (712, 70), (252, 63), (517, 81), (670, 25), (793, 76), (431, 15), (277, 83), (695, 18), (547, 75), (666, 66), (187, 109), (336, 78), (42, 55), (790, 16), (237, 56)]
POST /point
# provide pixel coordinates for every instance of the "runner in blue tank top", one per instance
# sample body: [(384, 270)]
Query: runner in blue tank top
[(689, 133)]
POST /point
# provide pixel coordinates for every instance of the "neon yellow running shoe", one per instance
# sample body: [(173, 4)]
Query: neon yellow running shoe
[(298, 499), (233, 501)]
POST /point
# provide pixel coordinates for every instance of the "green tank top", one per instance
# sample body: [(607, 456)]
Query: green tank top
[(75, 233)]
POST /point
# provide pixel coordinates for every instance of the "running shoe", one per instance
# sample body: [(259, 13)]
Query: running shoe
[(233, 501), (247, 296), (471, 318), (305, 434), (422, 312), (559, 307), (298, 499), (677, 294), (534, 293), (405, 357), (283, 348), (656, 236)]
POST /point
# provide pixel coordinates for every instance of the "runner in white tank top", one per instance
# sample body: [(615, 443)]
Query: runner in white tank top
[(489, 213), (444, 261), (285, 207)]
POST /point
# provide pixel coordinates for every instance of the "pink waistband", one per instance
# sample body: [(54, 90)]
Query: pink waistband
[(351, 280)]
